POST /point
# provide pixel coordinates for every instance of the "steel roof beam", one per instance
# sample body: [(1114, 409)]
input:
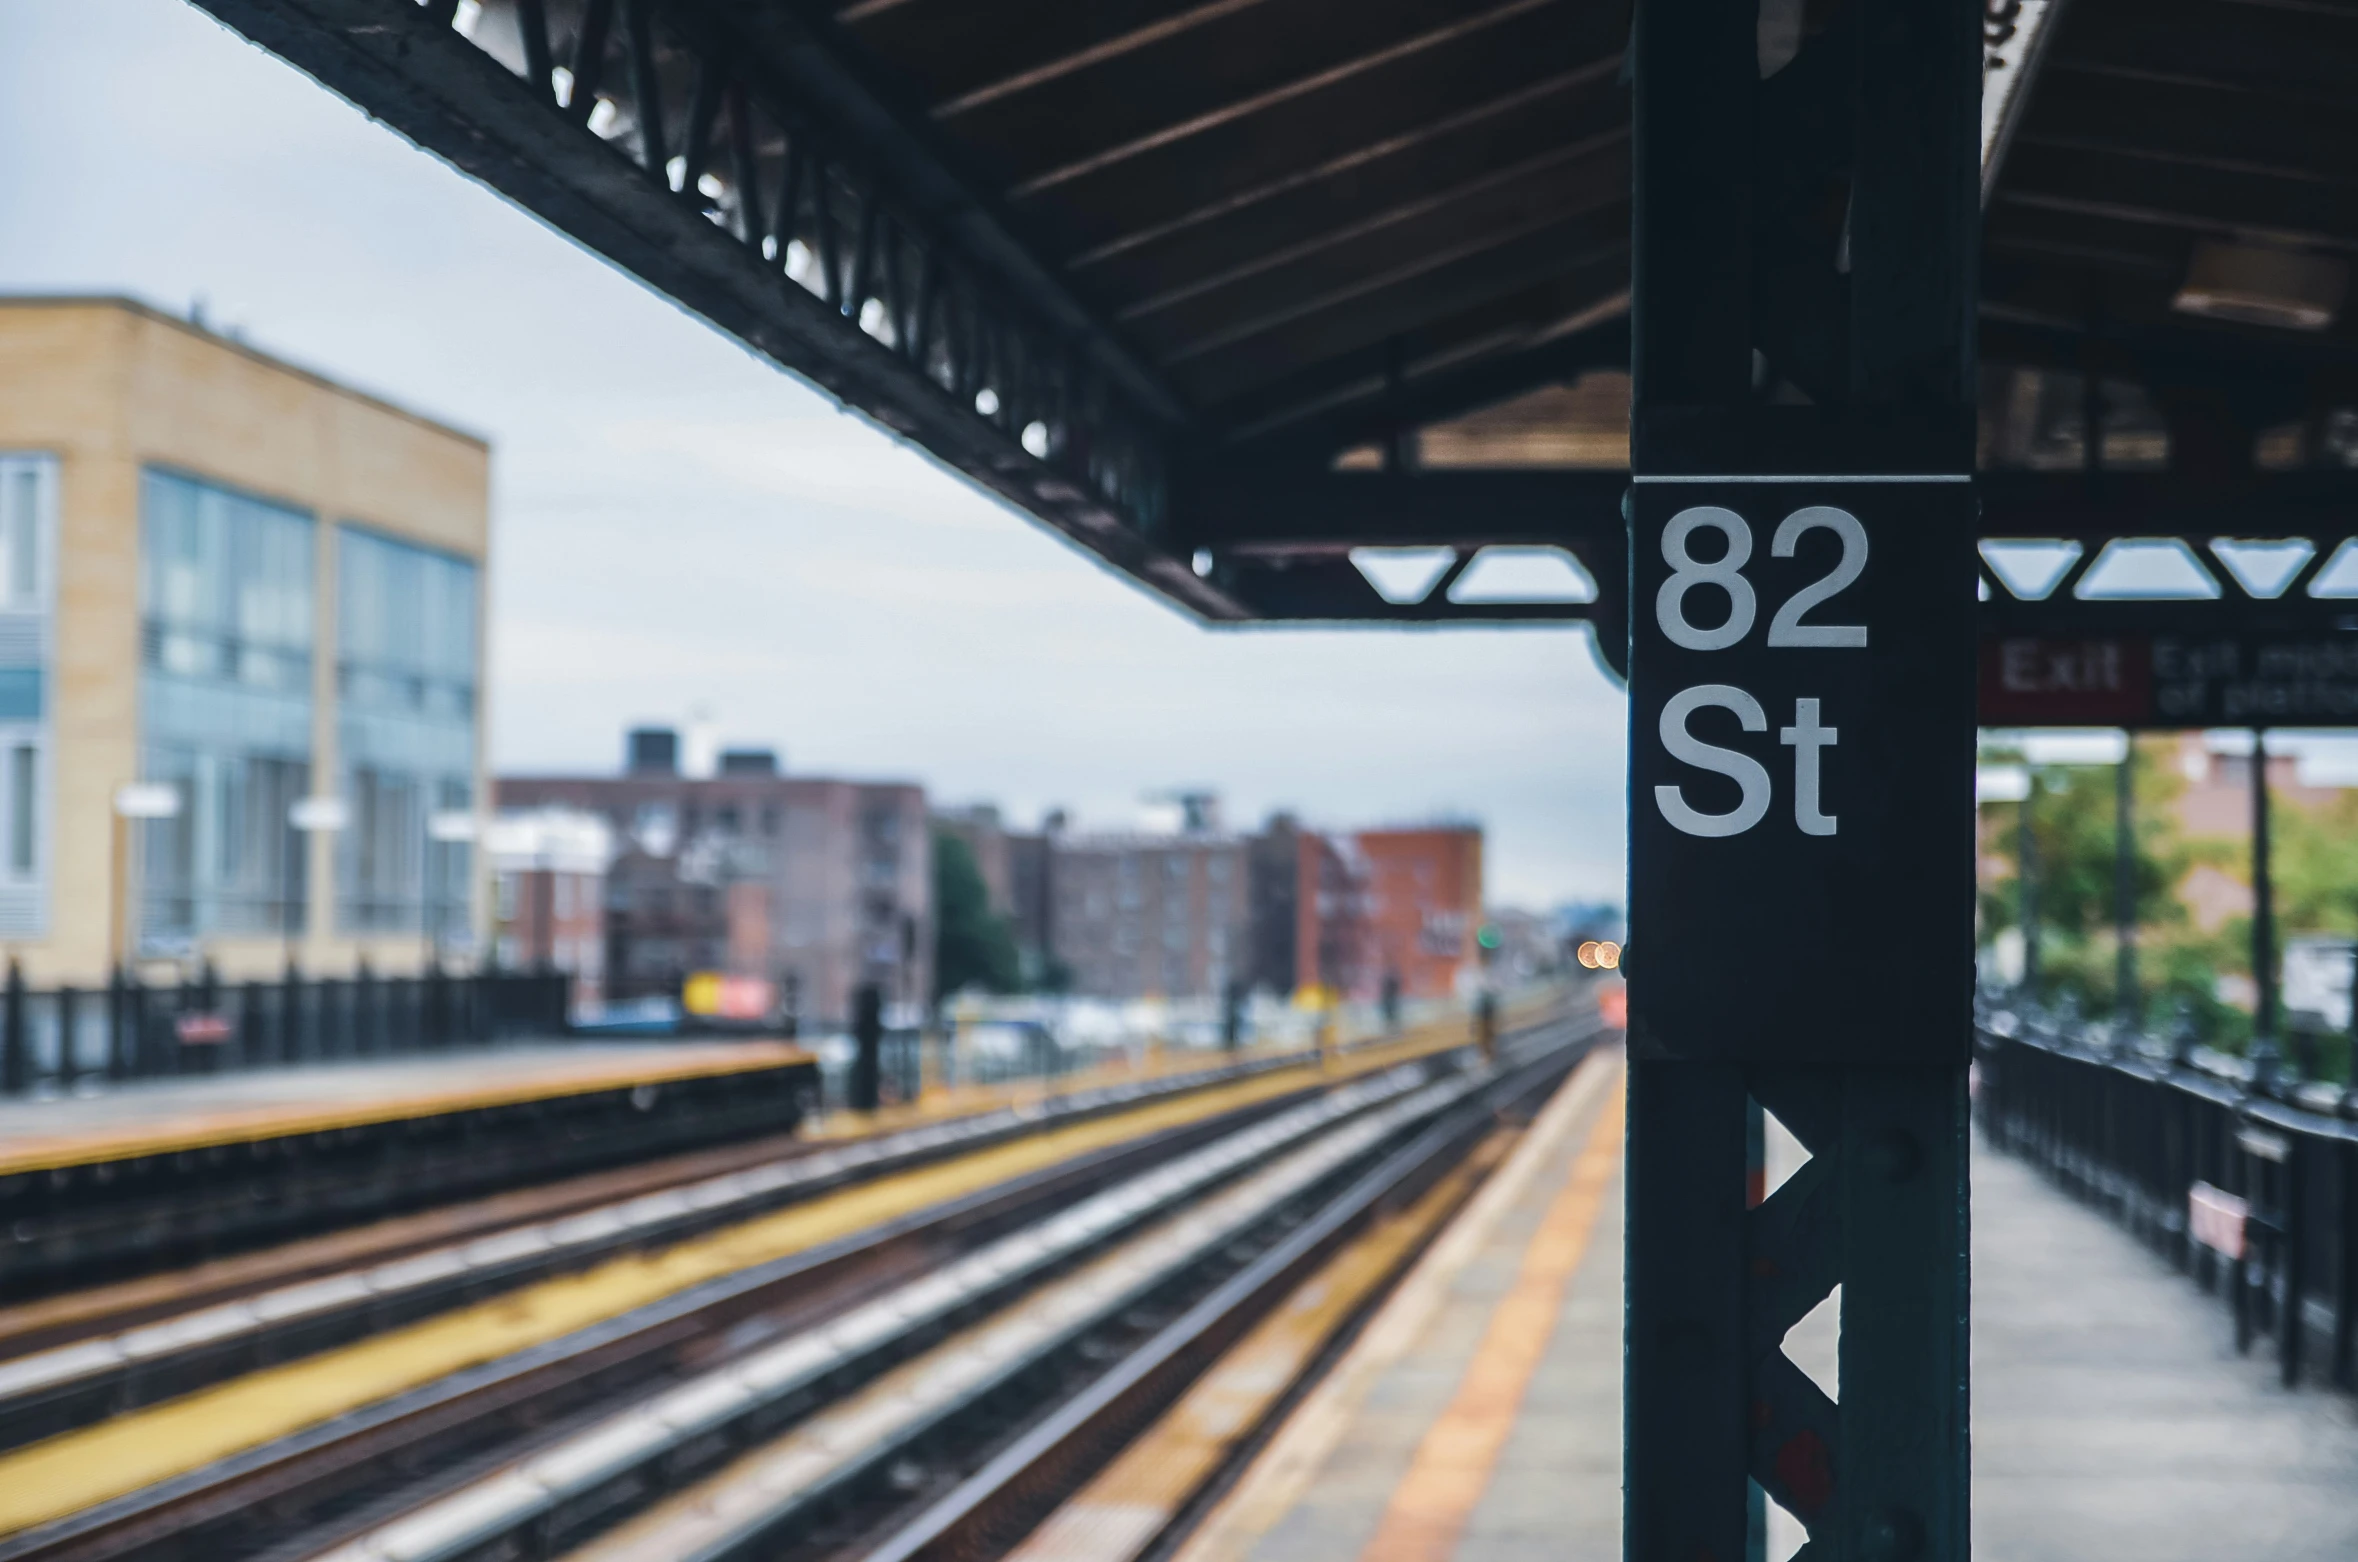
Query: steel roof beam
[(1071, 163), (928, 176), (1279, 511), (1512, 116), (2186, 199), (2197, 126), (1292, 513), (953, 358), (1573, 178), (1374, 406), (2053, 331), (1404, 301)]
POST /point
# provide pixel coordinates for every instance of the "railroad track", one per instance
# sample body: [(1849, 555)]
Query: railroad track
[(406, 1458), (100, 1361)]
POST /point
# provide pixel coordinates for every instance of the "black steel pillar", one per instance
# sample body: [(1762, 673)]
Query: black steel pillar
[(2264, 1016), (867, 1070), (16, 1046), (1802, 731), (2026, 879), (2126, 1000)]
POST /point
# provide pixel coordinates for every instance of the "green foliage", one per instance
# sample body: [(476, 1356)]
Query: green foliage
[(2074, 812), (2315, 858), (2314, 866), (972, 946)]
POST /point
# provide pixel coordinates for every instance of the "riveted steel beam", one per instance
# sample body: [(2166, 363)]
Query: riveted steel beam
[(748, 180)]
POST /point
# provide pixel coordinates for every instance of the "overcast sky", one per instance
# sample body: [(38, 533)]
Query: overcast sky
[(678, 525)]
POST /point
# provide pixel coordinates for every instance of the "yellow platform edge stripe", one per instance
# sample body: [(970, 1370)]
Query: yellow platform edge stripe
[(1129, 1504), (76, 1470), (248, 1125)]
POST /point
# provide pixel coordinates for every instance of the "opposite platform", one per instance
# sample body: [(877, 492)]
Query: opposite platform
[(164, 1117), (1478, 1417)]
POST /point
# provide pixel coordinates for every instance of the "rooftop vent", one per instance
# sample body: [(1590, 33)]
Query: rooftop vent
[(652, 751), (749, 762)]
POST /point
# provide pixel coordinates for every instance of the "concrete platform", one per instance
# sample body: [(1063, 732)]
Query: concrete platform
[(2113, 1420), (142, 1117)]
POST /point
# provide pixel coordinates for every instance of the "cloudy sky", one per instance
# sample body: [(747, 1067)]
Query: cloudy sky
[(678, 525)]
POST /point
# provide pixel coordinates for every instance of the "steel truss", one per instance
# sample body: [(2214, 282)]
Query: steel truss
[(676, 139), (716, 149)]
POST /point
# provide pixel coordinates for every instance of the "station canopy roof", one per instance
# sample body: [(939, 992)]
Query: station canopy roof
[(1224, 289)]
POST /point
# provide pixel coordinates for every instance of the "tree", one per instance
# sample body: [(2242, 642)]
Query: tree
[(2315, 864), (972, 946), (2074, 830)]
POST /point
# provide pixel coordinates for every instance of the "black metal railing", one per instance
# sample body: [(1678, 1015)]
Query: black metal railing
[(53, 1040), (2144, 1129)]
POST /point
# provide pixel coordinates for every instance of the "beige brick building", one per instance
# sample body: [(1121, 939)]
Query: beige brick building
[(258, 595)]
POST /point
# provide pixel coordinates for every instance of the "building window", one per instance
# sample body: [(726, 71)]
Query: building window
[(656, 827), (28, 531), (406, 670), (225, 634), (25, 524), (24, 811)]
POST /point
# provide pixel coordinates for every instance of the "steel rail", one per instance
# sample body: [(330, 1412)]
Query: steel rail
[(956, 1397), (311, 1477), (1002, 1501), (76, 1221), (55, 1390), (654, 1443), (116, 1306)]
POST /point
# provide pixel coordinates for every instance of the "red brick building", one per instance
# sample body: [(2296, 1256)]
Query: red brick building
[(1422, 905)]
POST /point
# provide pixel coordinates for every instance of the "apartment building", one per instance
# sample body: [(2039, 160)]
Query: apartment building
[(241, 680), (1422, 904), (814, 884), (1138, 915)]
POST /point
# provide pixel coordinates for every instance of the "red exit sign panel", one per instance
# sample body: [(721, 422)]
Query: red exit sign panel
[(2030, 681)]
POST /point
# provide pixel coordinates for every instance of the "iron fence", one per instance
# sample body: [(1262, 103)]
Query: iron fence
[(56, 1039), (2154, 1132)]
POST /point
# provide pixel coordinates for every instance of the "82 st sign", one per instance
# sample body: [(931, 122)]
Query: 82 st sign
[(1801, 763)]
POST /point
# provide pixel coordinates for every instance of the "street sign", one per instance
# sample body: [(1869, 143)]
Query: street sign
[(2164, 680), (1801, 768)]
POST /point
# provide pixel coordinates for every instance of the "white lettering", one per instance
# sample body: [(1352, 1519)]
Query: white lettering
[(1670, 603), (1787, 628), (1806, 737), (1751, 779)]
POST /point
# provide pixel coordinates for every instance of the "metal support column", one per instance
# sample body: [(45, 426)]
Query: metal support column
[(2026, 880), (1791, 786), (2127, 1003), (2265, 1055)]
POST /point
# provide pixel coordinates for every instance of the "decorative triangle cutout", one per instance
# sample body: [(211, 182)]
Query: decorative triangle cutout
[(2150, 568), (2030, 566), (1814, 1344), (1523, 574), (2263, 567), (2339, 578), (1403, 576)]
